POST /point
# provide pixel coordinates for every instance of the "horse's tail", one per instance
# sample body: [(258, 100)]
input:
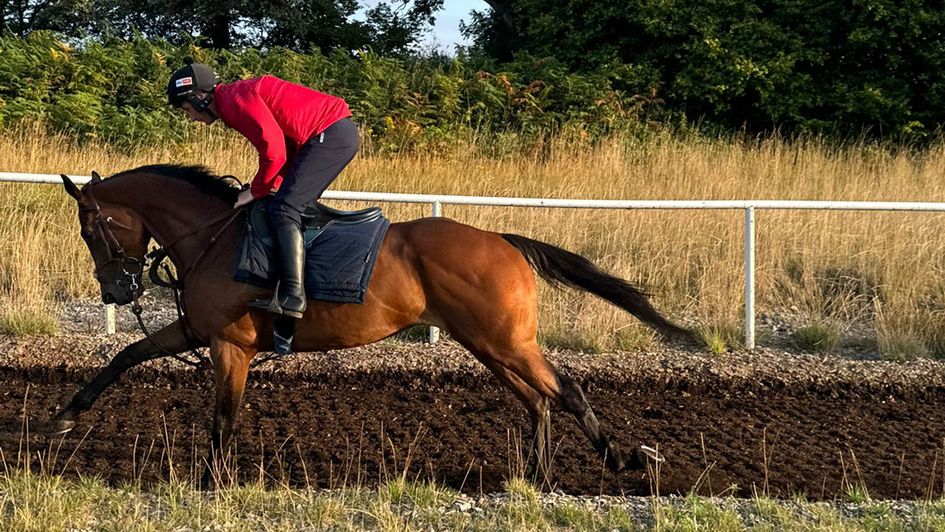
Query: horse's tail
[(559, 266)]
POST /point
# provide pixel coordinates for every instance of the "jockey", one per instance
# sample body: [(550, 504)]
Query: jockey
[(305, 138)]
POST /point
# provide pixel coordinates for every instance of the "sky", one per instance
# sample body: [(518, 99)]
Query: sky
[(445, 34)]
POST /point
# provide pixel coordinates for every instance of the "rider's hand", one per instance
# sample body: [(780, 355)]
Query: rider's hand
[(244, 198)]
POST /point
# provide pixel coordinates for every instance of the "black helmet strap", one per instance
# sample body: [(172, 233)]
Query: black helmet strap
[(201, 105)]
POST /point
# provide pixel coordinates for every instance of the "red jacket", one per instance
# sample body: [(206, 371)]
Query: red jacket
[(278, 117)]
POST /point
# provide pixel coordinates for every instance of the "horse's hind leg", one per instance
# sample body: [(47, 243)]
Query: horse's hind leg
[(533, 368), (571, 398), (525, 362), (539, 409)]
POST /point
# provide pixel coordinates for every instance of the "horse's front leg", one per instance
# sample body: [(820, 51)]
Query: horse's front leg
[(231, 366), (172, 338)]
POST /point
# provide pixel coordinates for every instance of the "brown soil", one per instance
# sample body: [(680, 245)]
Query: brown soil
[(358, 416)]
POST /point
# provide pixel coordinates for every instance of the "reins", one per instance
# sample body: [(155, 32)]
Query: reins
[(154, 260), (229, 216)]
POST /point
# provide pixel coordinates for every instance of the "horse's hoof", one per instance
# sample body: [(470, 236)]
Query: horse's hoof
[(62, 426), (615, 463), (207, 482), (641, 457), (652, 454), (53, 427)]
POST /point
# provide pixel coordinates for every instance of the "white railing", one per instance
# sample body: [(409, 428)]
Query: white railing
[(749, 207)]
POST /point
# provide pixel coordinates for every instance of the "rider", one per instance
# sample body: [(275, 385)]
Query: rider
[(305, 138)]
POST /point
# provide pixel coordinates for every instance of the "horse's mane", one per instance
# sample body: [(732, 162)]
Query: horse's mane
[(199, 176)]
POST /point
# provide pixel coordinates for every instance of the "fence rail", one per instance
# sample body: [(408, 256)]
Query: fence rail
[(749, 207)]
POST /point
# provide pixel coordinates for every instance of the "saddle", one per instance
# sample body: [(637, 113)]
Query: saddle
[(320, 215), (341, 248)]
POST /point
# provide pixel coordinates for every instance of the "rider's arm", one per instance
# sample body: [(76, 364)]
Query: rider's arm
[(255, 121)]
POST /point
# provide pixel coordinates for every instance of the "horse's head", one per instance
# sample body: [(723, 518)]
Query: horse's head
[(117, 240)]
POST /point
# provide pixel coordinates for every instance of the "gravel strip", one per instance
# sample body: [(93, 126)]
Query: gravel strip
[(660, 366)]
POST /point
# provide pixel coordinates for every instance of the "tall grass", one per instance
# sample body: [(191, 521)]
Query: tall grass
[(881, 273)]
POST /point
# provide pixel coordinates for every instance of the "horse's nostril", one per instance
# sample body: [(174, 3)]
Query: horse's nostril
[(108, 299)]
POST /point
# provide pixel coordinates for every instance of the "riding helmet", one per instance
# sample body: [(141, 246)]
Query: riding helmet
[(187, 80)]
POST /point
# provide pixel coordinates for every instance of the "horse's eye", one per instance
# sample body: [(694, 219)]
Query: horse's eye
[(86, 234)]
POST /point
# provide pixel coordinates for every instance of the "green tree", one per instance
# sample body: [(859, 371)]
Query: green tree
[(23, 16), (839, 65), (392, 26), (393, 29)]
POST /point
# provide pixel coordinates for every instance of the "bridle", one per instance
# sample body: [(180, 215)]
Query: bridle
[(116, 254), (115, 251)]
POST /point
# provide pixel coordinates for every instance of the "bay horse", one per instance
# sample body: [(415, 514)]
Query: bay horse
[(479, 286)]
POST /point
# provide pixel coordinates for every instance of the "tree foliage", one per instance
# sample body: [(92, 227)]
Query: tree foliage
[(391, 27), (840, 66)]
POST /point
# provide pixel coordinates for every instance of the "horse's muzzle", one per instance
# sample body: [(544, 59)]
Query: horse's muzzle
[(120, 293)]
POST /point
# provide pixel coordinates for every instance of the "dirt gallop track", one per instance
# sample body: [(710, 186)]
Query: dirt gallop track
[(729, 424)]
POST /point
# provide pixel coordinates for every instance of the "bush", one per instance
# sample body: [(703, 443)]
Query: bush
[(20, 321), (817, 337), (115, 91)]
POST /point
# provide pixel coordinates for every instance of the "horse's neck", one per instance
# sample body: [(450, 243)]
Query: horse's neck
[(185, 232), (177, 220)]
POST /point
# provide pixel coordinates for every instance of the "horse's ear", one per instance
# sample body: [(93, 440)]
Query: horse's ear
[(95, 177), (71, 189)]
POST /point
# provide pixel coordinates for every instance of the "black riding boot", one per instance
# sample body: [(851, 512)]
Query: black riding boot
[(289, 298)]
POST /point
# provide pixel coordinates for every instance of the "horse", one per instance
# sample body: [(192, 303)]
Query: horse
[(478, 286)]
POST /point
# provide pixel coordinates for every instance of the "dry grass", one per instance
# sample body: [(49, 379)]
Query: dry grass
[(878, 271), (30, 501)]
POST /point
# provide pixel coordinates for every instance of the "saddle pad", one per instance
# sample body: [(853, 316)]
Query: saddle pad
[(339, 256)]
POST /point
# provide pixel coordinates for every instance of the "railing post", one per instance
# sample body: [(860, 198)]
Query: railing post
[(433, 334), (750, 278), (110, 319)]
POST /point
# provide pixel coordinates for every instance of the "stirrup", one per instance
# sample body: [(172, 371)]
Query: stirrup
[(270, 305)]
